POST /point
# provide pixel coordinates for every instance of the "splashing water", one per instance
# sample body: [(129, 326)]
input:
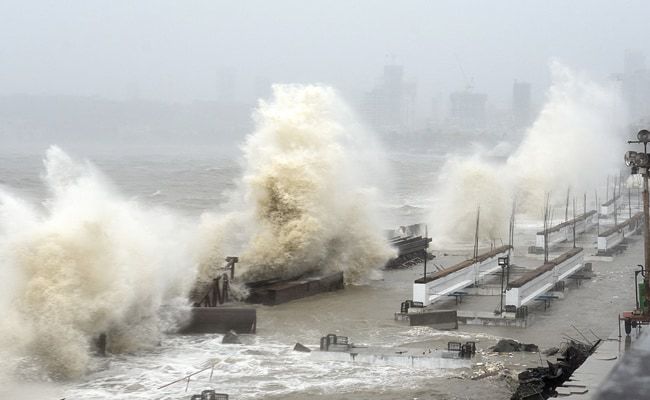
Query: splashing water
[(90, 262), (306, 204), (574, 142)]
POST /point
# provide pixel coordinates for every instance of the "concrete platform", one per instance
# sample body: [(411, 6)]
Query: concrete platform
[(629, 375), (420, 358), (221, 320), (438, 319), (611, 372), (487, 318), (281, 291)]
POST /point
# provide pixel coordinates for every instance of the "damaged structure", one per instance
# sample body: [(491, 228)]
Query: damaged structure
[(212, 311), (339, 348), (410, 245), (277, 291)]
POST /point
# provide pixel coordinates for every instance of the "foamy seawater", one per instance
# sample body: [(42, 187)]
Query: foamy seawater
[(259, 367)]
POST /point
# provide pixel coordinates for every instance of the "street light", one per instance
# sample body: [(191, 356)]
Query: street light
[(640, 163), (504, 263), (643, 136)]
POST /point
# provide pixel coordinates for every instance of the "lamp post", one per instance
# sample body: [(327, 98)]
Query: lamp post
[(640, 163), (504, 263)]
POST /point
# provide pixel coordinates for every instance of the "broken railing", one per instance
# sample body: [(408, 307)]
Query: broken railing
[(218, 290)]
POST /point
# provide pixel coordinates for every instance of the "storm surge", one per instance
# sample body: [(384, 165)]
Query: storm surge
[(307, 198), (574, 142), (89, 261)]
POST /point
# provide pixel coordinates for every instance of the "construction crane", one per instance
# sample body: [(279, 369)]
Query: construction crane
[(469, 82)]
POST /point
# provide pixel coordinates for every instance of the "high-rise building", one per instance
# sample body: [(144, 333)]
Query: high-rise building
[(389, 106), (467, 109), (635, 85), (521, 104)]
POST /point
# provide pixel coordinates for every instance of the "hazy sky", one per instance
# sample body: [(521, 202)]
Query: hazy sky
[(172, 50)]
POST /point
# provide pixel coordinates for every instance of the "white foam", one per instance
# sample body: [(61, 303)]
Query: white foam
[(89, 262), (306, 201)]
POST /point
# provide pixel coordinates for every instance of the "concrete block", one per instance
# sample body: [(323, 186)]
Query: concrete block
[(221, 320), (442, 319)]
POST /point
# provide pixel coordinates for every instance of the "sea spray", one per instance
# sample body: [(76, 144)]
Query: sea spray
[(90, 262), (305, 204), (574, 142), (467, 185)]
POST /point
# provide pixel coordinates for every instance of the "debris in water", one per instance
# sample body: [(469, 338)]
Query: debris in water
[(301, 348), (509, 346), (231, 338)]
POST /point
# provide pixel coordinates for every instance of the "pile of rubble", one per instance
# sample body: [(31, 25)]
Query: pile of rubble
[(541, 382)]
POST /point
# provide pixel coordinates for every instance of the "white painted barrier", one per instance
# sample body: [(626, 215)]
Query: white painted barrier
[(608, 208), (612, 237), (564, 231), (585, 221), (522, 295), (554, 237), (459, 276), (540, 280)]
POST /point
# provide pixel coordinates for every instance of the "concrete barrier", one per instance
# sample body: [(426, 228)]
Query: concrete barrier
[(461, 275), (608, 208), (609, 239), (538, 281), (564, 231), (439, 319), (221, 320), (281, 291)]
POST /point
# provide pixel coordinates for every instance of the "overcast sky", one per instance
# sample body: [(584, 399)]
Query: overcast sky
[(173, 50)]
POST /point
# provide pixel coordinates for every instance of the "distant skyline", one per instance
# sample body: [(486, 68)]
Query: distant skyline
[(174, 51)]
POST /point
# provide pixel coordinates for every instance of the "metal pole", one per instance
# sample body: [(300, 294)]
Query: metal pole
[(426, 254), (646, 236), (503, 273), (629, 202), (425, 265)]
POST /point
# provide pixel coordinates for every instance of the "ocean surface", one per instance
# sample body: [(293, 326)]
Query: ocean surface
[(265, 366)]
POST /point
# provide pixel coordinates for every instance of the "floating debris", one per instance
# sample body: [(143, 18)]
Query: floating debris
[(301, 348), (231, 338)]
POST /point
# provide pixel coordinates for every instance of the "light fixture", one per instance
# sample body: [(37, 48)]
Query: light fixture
[(643, 136)]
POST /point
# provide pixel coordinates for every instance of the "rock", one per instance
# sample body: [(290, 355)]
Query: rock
[(506, 346), (303, 349), (509, 346), (231, 338), (529, 347), (551, 351)]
